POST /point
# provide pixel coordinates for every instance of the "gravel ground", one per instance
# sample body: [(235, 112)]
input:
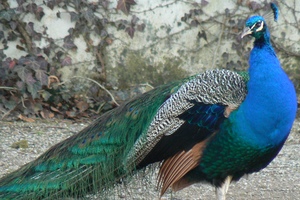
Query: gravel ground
[(280, 180)]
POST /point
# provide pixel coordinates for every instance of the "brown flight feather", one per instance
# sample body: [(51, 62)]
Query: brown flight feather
[(173, 169)]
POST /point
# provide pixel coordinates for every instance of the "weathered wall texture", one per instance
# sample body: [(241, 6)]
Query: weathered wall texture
[(180, 38)]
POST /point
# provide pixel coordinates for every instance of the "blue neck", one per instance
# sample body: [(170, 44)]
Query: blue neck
[(263, 40), (270, 106)]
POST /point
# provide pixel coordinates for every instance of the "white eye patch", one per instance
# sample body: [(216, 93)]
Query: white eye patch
[(260, 27)]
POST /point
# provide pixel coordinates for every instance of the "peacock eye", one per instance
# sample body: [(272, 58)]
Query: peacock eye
[(258, 24)]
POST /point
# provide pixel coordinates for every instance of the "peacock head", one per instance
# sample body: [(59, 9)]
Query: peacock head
[(256, 27)]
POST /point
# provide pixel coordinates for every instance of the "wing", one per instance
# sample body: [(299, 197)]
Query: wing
[(209, 92), (186, 121)]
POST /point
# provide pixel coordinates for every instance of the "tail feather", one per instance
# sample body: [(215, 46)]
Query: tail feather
[(65, 179), (92, 160), (47, 185)]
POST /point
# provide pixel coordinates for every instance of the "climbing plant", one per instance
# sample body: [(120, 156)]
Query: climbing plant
[(31, 85)]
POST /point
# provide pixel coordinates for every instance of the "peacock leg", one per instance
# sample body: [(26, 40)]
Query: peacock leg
[(221, 191)]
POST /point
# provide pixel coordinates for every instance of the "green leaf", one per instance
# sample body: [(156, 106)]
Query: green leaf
[(68, 43), (89, 15), (66, 96), (46, 95), (50, 4), (74, 16), (21, 86), (77, 4), (41, 76), (21, 71), (29, 79), (1, 7), (37, 107), (34, 88), (31, 7), (7, 14), (10, 104)]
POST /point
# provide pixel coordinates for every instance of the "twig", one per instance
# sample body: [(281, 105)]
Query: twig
[(101, 86), (284, 49), (25, 35), (23, 104), (219, 43), (147, 84), (52, 77), (99, 56), (8, 112), (99, 108), (8, 88), (294, 12)]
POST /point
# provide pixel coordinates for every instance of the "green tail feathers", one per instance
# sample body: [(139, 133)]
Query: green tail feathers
[(91, 160)]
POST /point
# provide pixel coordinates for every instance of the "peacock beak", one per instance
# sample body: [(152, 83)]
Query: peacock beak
[(247, 31)]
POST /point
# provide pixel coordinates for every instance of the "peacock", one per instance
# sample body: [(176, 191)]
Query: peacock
[(213, 127)]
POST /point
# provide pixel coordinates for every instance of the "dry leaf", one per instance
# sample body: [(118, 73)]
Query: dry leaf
[(54, 109), (82, 105), (26, 119)]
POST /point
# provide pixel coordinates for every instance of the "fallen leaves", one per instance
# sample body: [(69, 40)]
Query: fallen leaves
[(26, 119)]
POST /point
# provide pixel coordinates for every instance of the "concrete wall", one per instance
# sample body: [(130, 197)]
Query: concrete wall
[(169, 48)]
